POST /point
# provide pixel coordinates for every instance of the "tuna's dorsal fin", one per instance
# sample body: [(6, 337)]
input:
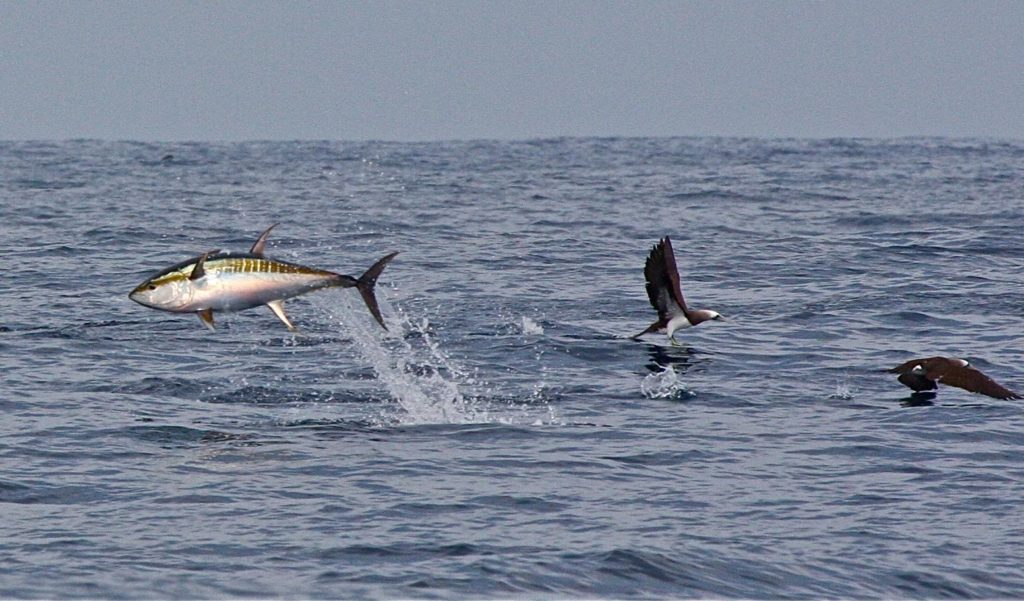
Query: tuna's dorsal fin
[(206, 315), (257, 247), (277, 307), (198, 271)]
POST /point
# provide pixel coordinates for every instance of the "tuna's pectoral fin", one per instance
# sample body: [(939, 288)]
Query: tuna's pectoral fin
[(207, 316), (257, 247), (198, 271), (278, 308)]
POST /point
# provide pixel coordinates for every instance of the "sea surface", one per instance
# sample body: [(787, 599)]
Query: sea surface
[(505, 437)]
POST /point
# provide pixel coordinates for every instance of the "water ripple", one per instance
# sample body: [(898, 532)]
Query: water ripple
[(505, 437)]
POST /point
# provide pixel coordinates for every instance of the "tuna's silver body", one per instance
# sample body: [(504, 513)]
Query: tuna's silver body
[(218, 281), (232, 283)]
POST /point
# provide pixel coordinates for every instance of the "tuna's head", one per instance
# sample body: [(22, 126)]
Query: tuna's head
[(167, 291)]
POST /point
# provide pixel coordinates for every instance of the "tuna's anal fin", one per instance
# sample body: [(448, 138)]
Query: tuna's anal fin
[(278, 308), (199, 271), (261, 242), (206, 315)]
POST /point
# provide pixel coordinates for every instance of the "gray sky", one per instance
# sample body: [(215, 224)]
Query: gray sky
[(232, 70)]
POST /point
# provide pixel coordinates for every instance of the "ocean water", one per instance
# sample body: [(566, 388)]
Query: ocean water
[(505, 437)]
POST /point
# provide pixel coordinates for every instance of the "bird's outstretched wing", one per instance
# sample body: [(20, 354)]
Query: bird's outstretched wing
[(663, 281), (969, 379)]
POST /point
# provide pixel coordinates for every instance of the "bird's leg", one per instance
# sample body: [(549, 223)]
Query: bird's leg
[(673, 340)]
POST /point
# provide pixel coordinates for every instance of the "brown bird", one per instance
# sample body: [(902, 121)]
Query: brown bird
[(924, 374), (666, 297)]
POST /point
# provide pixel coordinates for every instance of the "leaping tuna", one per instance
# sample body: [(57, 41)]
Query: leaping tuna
[(216, 281)]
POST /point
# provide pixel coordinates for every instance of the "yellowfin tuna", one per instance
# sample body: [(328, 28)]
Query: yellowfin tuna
[(216, 281)]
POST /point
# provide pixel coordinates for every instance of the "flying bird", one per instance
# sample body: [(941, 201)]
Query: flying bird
[(921, 375), (666, 297), (216, 281)]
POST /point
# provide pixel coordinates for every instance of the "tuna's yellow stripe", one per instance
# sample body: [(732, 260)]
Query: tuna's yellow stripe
[(239, 265)]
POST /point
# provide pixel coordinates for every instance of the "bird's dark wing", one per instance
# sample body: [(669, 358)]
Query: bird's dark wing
[(903, 368), (971, 380), (663, 281)]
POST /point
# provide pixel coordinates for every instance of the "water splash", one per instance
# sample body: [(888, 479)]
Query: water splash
[(531, 327), (430, 387), (842, 392), (664, 384)]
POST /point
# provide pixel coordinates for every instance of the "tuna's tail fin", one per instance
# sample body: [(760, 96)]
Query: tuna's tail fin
[(366, 283)]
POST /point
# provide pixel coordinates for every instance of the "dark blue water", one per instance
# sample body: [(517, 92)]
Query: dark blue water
[(505, 438)]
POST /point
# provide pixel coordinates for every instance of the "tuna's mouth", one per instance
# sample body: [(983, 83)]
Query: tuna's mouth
[(138, 296)]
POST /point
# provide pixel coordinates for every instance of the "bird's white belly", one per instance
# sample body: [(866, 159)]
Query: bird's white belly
[(678, 322)]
